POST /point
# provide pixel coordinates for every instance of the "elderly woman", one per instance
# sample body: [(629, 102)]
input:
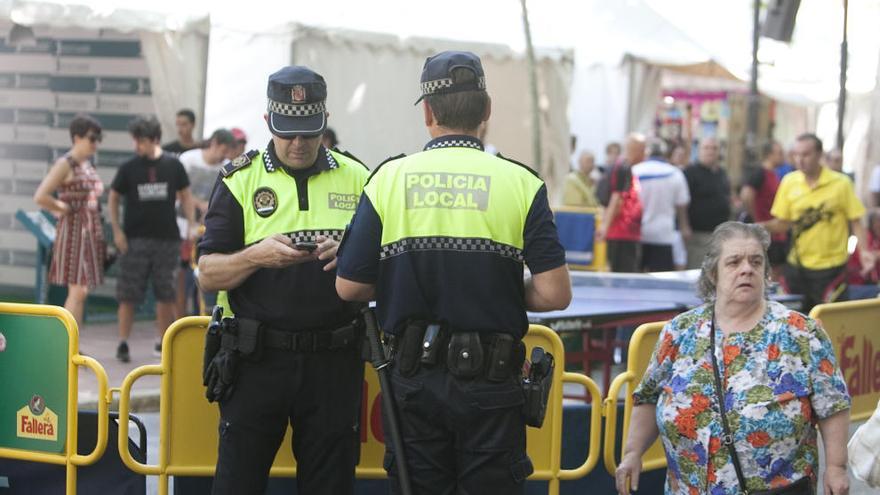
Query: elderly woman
[(779, 378)]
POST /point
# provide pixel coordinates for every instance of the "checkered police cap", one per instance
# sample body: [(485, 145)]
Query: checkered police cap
[(437, 74), (296, 102), (291, 110)]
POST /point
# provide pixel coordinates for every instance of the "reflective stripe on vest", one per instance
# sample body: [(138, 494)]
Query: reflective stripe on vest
[(333, 197), (457, 199)]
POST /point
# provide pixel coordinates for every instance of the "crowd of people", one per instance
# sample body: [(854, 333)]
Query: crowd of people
[(165, 190), (296, 239), (659, 210)]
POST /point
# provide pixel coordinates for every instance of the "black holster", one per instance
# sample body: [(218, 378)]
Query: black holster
[(536, 387), (212, 338)]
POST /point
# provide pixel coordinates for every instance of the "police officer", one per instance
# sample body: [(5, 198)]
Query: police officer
[(439, 240), (291, 352)]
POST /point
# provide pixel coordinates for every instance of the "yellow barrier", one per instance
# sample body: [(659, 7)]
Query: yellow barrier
[(188, 423), (42, 362), (545, 443), (599, 256), (641, 347), (852, 327)]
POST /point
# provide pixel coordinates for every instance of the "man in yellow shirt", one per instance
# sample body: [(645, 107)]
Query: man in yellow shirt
[(821, 209)]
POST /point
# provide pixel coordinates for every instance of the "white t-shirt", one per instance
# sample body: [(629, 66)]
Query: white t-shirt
[(663, 187), (874, 182), (202, 176)]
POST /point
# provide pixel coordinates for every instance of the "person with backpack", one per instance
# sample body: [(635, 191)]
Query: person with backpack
[(621, 224)]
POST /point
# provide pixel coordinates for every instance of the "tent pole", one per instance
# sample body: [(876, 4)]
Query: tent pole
[(841, 98), (533, 87)]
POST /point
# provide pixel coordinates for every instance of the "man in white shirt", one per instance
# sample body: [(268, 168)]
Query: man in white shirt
[(202, 165), (665, 198)]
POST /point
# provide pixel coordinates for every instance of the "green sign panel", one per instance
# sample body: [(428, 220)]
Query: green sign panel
[(33, 383)]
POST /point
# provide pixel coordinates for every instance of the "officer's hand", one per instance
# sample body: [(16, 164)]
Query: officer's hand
[(277, 252), (327, 248)]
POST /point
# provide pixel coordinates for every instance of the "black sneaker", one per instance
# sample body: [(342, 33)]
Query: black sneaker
[(122, 352), (157, 349)]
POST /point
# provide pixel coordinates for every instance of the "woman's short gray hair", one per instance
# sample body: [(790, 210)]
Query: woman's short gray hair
[(723, 233)]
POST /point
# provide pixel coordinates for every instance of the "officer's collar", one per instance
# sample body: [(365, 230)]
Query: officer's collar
[(324, 162), (454, 141)]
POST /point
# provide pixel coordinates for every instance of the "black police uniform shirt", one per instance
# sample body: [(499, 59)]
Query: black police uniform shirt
[(295, 298), (149, 189), (473, 291)]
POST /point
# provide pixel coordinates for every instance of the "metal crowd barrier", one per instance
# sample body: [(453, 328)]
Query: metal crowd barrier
[(41, 355), (641, 347), (852, 327), (188, 423), (39, 363)]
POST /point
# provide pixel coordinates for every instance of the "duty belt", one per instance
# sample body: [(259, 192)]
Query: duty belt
[(322, 340), (303, 341), (497, 356)]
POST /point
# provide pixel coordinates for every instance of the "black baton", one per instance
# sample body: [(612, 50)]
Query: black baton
[(380, 364)]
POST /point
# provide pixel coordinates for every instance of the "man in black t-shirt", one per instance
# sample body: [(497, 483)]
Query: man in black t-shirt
[(149, 240), (710, 199)]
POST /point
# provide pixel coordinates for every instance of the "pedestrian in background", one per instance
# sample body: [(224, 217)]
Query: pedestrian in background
[(79, 251)]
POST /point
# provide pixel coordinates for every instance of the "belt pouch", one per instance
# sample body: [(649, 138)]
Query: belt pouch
[(250, 341), (411, 348), (500, 358), (432, 345), (465, 355)]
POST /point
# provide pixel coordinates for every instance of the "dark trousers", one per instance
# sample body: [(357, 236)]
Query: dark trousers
[(624, 256), (816, 286), (462, 437), (319, 394), (657, 258)]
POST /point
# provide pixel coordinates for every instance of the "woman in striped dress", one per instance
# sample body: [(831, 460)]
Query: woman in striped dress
[(79, 250)]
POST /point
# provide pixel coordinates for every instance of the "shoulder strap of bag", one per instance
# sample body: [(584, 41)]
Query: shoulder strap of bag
[(719, 391)]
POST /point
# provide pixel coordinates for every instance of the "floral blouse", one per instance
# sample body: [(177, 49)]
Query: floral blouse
[(779, 378)]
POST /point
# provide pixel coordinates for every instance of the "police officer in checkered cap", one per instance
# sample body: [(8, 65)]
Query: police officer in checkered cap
[(291, 354), (296, 105), (439, 240)]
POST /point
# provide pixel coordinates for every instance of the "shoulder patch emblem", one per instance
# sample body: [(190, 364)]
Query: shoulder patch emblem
[(238, 163), (265, 201)]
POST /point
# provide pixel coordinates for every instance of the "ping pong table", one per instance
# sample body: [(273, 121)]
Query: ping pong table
[(603, 301)]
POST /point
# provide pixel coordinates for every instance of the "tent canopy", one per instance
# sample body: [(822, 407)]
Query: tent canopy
[(620, 47)]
